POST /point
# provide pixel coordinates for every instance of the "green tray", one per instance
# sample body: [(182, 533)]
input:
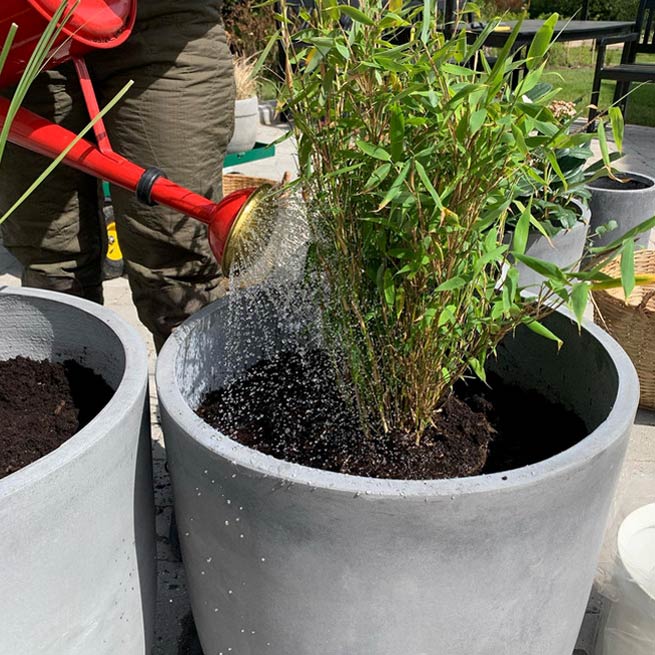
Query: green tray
[(260, 151)]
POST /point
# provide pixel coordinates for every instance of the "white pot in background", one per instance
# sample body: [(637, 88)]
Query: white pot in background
[(630, 627), (246, 122)]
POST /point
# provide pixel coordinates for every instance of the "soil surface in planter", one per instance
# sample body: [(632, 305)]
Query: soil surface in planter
[(290, 408), (43, 404), (626, 184)]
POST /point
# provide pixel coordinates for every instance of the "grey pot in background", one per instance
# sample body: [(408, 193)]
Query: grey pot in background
[(77, 558), (564, 249), (625, 204), (246, 122), (284, 559)]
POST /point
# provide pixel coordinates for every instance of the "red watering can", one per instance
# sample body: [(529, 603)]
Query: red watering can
[(103, 24)]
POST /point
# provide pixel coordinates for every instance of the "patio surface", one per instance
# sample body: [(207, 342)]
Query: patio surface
[(637, 485)]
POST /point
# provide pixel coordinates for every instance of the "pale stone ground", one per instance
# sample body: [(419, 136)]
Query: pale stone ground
[(637, 485)]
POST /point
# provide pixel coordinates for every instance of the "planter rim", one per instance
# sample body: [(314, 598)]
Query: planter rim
[(640, 177), (617, 422), (135, 375)]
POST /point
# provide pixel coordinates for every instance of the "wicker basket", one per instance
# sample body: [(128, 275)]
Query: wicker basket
[(632, 323), (236, 182)]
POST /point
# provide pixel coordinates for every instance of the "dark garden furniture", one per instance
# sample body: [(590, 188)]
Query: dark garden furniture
[(642, 40), (565, 30)]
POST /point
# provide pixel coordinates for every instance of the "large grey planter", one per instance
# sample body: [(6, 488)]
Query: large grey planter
[(564, 249), (285, 559), (609, 201), (77, 564), (246, 122)]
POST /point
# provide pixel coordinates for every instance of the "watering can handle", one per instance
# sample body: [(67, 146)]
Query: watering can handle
[(92, 104)]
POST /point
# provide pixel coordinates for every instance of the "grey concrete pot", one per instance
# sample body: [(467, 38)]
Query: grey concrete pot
[(628, 207), (77, 563), (564, 249), (285, 559), (246, 122)]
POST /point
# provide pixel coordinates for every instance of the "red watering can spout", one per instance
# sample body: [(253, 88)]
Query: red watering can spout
[(224, 219)]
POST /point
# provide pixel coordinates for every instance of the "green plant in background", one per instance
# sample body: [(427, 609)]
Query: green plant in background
[(507, 9), (249, 25), (598, 9), (555, 183), (411, 158), (43, 51)]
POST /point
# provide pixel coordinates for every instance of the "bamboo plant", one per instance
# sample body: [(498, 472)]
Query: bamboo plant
[(412, 153)]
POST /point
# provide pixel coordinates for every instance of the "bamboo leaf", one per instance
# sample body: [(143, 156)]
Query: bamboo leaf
[(541, 42), (356, 14), (395, 187), (434, 194), (377, 152), (579, 298), (452, 284), (478, 368), (396, 132), (378, 176), (628, 267), (427, 21), (602, 142), (542, 331), (521, 231), (616, 120), (547, 269)]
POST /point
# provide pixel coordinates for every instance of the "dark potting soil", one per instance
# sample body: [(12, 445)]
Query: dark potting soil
[(43, 404), (626, 184), (290, 407)]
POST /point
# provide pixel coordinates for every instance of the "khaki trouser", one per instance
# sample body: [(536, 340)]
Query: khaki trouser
[(178, 116)]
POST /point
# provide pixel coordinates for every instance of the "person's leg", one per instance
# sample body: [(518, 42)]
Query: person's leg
[(178, 116), (57, 233)]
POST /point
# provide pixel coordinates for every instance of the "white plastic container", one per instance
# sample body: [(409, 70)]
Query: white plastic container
[(630, 626)]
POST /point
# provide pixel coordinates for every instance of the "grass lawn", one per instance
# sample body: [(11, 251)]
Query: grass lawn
[(572, 69)]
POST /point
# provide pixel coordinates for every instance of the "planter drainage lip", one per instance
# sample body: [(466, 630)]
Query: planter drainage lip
[(618, 421), (135, 374)]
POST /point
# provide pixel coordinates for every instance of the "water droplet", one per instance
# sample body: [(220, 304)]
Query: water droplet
[(229, 591), (227, 523), (228, 501), (209, 559), (240, 536), (263, 559), (202, 573)]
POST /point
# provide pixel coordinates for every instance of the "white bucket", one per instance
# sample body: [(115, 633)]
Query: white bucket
[(630, 627)]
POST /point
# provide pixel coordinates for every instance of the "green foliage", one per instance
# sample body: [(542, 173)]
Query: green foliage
[(249, 24), (598, 9), (411, 157)]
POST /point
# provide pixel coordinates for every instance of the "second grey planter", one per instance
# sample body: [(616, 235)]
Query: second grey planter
[(77, 540), (284, 559), (627, 204), (564, 249)]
